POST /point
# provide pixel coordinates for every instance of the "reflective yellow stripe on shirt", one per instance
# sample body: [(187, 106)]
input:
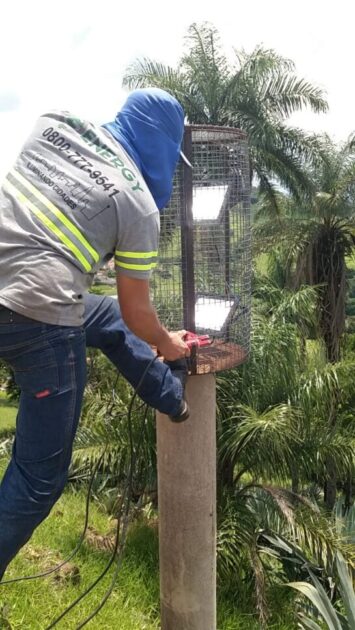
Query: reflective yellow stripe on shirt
[(49, 224), (146, 267), (136, 254), (58, 213), (140, 261)]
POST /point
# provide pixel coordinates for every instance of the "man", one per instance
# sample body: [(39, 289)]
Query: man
[(77, 196)]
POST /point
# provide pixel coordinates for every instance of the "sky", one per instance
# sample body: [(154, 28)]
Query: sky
[(72, 54)]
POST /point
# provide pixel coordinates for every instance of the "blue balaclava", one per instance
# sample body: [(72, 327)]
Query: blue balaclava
[(150, 128)]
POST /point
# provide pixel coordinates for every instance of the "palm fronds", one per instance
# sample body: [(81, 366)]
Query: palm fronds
[(322, 603)]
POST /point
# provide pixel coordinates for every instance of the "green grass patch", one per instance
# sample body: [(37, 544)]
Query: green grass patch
[(134, 603), (8, 412), (34, 604)]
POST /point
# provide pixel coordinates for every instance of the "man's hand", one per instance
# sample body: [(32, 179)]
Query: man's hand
[(140, 316), (174, 347)]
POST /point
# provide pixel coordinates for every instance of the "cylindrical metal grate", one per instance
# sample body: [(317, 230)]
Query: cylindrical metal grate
[(203, 280)]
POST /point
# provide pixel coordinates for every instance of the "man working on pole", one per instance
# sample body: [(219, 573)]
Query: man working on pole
[(77, 196)]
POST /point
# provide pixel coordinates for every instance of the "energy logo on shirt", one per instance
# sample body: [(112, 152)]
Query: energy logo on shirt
[(81, 162), (90, 137)]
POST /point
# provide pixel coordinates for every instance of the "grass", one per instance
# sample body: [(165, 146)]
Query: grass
[(34, 604), (134, 604), (8, 411)]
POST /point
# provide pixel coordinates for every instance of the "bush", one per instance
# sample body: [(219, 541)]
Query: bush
[(7, 381), (350, 324), (350, 306)]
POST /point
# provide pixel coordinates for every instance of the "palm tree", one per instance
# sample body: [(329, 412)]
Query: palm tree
[(256, 93), (319, 234), (273, 427), (274, 411)]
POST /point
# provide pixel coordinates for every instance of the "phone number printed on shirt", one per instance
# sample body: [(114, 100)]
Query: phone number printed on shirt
[(58, 141)]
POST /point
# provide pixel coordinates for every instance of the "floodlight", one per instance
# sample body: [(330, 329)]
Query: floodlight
[(207, 202), (213, 313)]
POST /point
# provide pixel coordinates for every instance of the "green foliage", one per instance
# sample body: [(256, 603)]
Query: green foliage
[(318, 233), (345, 521), (8, 382), (287, 306), (281, 426), (104, 437), (271, 373), (8, 412), (4, 372), (322, 603), (350, 307), (268, 535), (11, 388), (274, 426)]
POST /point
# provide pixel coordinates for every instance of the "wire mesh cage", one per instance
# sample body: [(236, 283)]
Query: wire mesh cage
[(203, 280)]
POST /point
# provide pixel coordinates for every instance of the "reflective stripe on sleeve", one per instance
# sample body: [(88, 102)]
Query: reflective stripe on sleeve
[(138, 261), (136, 254), (146, 267)]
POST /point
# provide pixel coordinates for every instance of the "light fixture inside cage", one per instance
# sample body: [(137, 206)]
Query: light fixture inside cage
[(207, 202), (203, 280), (212, 313)]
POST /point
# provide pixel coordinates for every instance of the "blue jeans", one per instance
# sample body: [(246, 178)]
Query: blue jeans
[(49, 363)]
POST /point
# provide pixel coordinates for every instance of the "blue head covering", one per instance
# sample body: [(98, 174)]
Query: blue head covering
[(150, 128)]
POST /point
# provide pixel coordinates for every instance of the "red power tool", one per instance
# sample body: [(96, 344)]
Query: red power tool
[(199, 341)]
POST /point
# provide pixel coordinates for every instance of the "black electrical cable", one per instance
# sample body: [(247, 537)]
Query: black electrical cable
[(79, 543), (123, 539), (113, 581), (109, 410), (89, 589), (128, 491), (58, 566), (128, 487)]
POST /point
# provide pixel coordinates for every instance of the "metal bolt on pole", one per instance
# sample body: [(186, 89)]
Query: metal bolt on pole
[(187, 511)]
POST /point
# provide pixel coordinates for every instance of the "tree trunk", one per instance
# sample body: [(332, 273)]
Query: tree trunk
[(328, 269), (226, 474), (330, 486), (347, 495), (295, 482)]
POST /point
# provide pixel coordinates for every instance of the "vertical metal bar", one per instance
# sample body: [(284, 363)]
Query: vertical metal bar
[(227, 275), (187, 239)]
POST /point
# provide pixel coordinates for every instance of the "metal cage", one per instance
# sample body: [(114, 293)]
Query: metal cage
[(203, 280)]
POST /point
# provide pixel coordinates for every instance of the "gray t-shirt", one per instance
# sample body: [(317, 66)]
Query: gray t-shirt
[(73, 200)]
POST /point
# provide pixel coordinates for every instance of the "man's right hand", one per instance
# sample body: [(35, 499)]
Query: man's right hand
[(141, 318), (173, 347)]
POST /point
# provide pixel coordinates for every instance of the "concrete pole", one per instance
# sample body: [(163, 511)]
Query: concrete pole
[(187, 511)]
